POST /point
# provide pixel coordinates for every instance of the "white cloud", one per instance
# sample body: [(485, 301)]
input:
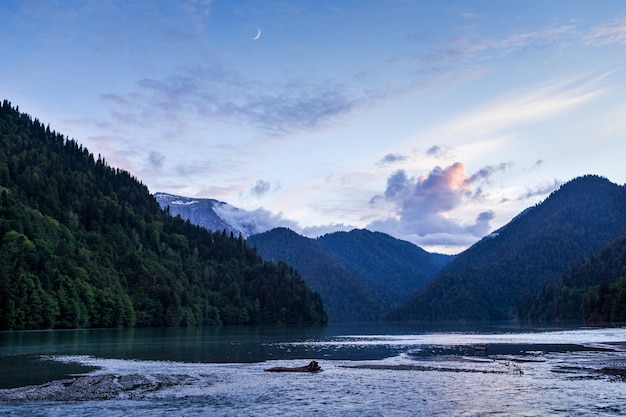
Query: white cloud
[(612, 32), (534, 105)]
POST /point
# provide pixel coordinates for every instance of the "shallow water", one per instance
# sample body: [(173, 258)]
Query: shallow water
[(367, 371)]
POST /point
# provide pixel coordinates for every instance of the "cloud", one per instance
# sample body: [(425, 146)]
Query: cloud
[(532, 106), (438, 192), (540, 190), (519, 40), (260, 188), (441, 152), (485, 173), (538, 164), (481, 227), (434, 150), (316, 231), (156, 159), (390, 158), (613, 32), (250, 222), (274, 108), (421, 205)]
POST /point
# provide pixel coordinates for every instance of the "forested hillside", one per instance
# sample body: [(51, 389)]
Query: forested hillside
[(345, 295), (593, 290), (393, 267), (492, 278), (359, 274), (86, 245)]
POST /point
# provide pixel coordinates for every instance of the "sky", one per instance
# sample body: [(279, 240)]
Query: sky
[(436, 122)]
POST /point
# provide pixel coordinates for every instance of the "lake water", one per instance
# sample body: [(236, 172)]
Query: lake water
[(368, 370)]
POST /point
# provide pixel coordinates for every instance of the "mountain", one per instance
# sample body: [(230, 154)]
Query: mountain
[(345, 295), (211, 214), (593, 290), (86, 245), (490, 279), (359, 274), (394, 268)]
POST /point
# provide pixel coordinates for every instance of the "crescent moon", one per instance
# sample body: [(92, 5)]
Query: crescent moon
[(258, 35)]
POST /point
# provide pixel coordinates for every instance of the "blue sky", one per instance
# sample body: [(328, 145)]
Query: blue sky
[(435, 122)]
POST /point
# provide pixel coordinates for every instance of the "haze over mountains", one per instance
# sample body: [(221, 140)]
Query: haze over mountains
[(361, 275), (210, 214)]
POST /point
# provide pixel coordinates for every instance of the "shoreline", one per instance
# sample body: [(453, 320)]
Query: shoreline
[(102, 387)]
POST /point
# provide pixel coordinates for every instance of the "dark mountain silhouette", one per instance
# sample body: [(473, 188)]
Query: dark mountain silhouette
[(86, 245), (358, 274), (490, 279)]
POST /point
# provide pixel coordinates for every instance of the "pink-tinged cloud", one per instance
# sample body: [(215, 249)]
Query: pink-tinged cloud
[(421, 204), (453, 178), (438, 192)]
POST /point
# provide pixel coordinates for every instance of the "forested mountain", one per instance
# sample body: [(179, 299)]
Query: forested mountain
[(593, 290), (490, 279), (86, 245), (359, 274), (345, 296), (394, 268)]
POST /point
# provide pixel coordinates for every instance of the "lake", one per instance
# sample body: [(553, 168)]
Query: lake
[(367, 370)]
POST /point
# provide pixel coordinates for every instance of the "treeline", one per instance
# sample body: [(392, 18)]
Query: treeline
[(593, 290), (86, 245)]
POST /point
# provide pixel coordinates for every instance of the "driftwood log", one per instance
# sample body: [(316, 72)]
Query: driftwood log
[(313, 366)]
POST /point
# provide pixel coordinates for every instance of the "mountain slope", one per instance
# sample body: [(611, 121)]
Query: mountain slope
[(198, 211), (86, 245), (345, 295), (590, 291), (393, 267), (490, 279), (213, 214)]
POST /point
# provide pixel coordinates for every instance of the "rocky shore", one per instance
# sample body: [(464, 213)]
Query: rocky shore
[(99, 387)]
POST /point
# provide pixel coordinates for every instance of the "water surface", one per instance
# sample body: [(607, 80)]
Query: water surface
[(367, 370)]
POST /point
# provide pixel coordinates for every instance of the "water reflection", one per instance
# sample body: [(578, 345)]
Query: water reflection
[(21, 353)]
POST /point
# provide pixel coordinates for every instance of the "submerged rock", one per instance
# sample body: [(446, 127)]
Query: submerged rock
[(96, 388)]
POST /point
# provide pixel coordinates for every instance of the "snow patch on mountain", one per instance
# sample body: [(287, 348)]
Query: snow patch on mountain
[(216, 215)]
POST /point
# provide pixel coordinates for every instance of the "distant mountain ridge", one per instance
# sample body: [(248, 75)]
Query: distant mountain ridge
[(492, 278), (393, 267), (362, 274), (359, 274), (346, 297)]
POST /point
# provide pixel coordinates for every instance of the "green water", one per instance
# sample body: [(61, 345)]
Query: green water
[(23, 354)]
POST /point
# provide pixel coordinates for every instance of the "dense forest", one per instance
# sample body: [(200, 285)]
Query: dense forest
[(346, 297), (86, 245), (395, 268), (593, 290), (491, 279), (359, 274)]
